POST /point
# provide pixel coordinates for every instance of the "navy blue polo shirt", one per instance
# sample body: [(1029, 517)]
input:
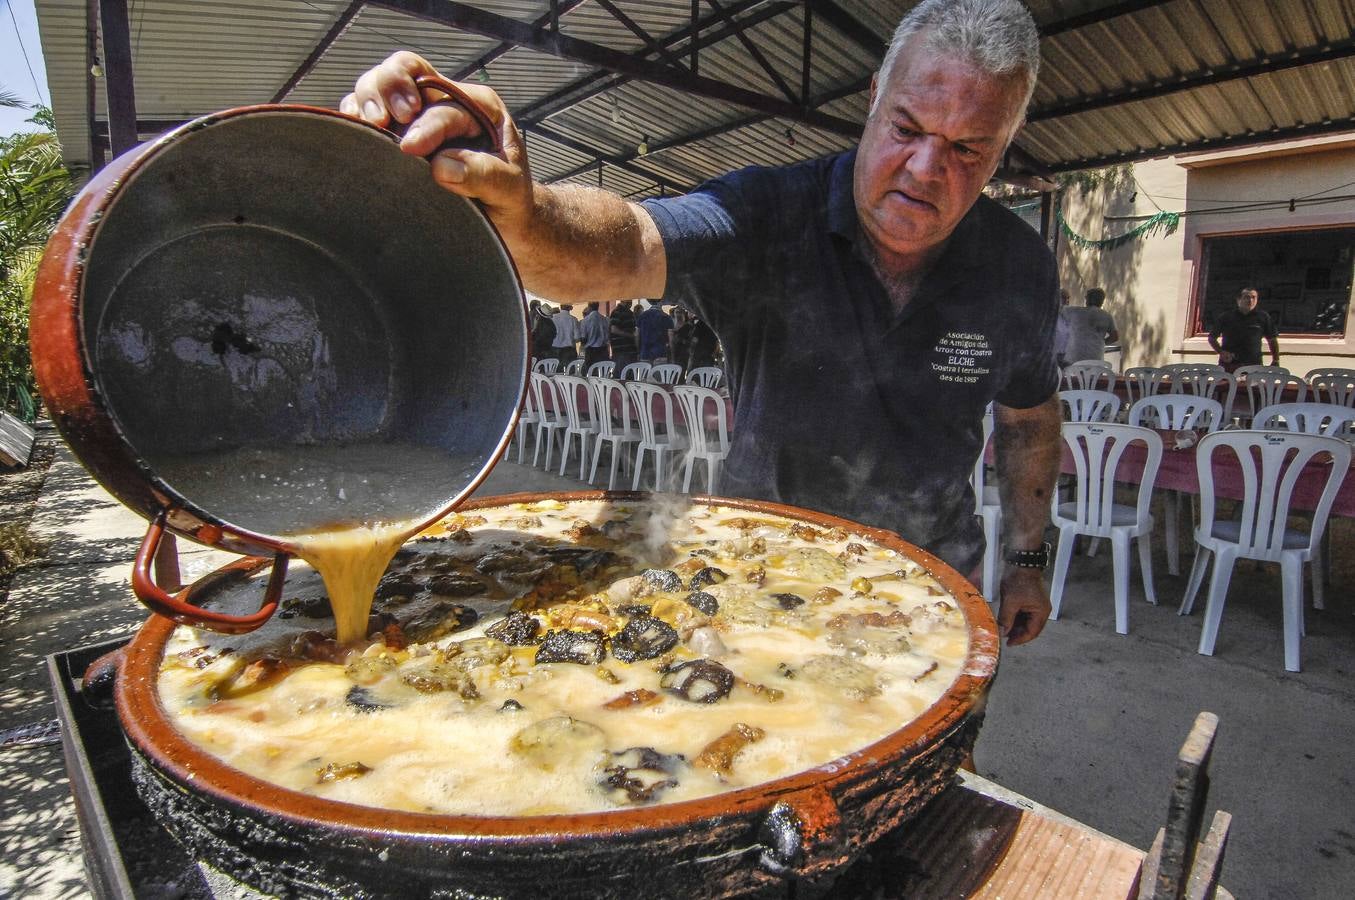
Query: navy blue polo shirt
[(841, 404)]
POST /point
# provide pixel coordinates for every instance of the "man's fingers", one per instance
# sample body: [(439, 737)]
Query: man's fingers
[(438, 125), (484, 176), (387, 93)]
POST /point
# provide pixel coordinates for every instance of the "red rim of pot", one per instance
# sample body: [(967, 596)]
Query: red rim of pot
[(148, 725)]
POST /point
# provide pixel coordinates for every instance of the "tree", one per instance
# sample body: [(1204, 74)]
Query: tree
[(35, 188)]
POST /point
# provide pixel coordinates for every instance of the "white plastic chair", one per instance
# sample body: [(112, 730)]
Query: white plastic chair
[(575, 399), (1143, 381), (1088, 375), (528, 418), (1306, 418), (1096, 448), (636, 371), (661, 441), (550, 416), (1332, 386), (666, 373), (573, 367), (1266, 386), (706, 376), (603, 369), (1271, 462), (1173, 412), (547, 366), (988, 507), (615, 427), (1089, 406), (702, 442), (1202, 380)]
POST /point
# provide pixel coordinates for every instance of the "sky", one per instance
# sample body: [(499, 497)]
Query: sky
[(14, 73)]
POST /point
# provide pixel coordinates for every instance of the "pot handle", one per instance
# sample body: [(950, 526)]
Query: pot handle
[(457, 95), (802, 836), (179, 610)]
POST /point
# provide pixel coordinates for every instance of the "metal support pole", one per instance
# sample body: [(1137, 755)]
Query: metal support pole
[(696, 25), (117, 65), (808, 54)]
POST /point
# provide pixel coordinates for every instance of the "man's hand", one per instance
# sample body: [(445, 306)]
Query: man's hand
[(1024, 607), (568, 242), (387, 96)]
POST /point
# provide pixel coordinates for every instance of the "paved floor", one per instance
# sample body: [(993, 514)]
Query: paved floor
[(1083, 720)]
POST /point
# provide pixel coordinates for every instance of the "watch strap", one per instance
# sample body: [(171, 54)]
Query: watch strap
[(1030, 559)]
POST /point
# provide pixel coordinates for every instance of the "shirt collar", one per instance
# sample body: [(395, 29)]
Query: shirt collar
[(963, 250)]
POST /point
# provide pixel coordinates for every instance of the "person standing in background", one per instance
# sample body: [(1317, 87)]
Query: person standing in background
[(1090, 328), (656, 333), (543, 331), (566, 335), (593, 336), (1237, 333), (621, 328)]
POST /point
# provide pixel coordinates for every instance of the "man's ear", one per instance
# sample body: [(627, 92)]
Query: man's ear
[(874, 82)]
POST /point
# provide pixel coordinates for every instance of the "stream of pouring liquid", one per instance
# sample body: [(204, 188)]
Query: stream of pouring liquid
[(345, 508), (351, 560)]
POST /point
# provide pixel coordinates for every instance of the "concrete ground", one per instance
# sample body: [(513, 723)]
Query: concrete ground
[(1083, 720)]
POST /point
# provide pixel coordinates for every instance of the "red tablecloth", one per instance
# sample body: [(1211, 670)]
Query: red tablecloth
[(1178, 472)]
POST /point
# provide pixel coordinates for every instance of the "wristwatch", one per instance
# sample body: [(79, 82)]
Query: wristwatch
[(1030, 559)]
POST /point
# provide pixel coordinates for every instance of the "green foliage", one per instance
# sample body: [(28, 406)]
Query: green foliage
[(43, 117), (34, 190), (1087, 180)]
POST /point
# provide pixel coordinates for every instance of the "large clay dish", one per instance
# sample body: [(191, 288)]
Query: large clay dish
[(802, 828)]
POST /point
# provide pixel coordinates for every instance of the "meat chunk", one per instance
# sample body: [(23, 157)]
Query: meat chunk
[(698, 680), (718, 755)]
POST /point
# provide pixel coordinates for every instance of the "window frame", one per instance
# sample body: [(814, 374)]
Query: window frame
[(1195, 312)]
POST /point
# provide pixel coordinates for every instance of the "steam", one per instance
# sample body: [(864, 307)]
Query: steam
[(662, 514)]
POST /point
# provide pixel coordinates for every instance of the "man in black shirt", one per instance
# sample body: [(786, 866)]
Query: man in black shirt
[(1237, 334), (621, 326)]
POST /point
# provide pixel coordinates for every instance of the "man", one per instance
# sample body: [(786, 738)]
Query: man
[(1090, 328), (566, 334), (543, 330), (1237, 334), (655, 328), (593, 335), (870, 304), (621, 328)]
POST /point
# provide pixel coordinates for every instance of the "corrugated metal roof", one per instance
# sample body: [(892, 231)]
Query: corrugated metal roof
[(1165, 77)]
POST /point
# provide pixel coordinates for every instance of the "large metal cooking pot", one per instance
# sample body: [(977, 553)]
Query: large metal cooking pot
[(798, 830), (274, 278)]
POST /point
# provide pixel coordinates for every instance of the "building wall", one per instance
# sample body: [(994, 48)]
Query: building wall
[(1150, 282)]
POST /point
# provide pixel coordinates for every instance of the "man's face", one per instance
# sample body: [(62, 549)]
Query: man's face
[(935, 138), (1246, 301)]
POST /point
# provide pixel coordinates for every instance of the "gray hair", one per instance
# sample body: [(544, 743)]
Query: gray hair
[(997, 36)]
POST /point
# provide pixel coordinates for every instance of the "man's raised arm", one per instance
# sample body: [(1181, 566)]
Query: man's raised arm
[(569, 243)]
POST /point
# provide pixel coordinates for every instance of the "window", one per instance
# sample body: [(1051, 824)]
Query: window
[(1303, 278)]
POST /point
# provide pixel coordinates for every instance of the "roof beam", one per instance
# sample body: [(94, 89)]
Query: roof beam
[(1095, 16), (753, 51), (716, 130), (551, 19), (319, 50), (600, 82), (1218, 76), (631, 26), (478, 21), (851, 28), (1293, 132), (617, 162)]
